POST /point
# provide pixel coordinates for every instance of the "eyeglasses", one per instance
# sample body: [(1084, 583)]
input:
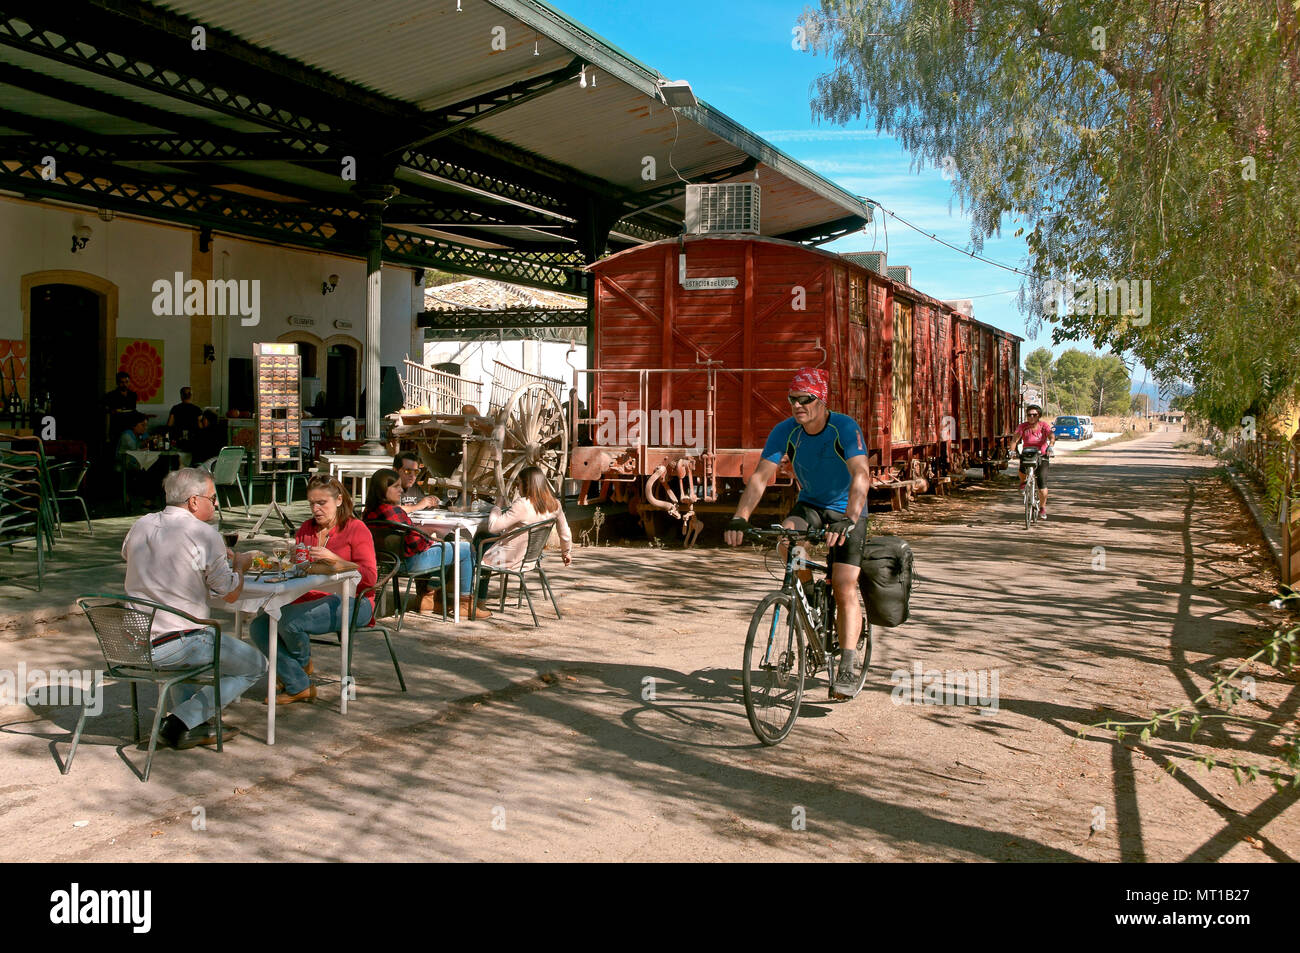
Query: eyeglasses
[(801, 401), (415, 469), (1033, 413)]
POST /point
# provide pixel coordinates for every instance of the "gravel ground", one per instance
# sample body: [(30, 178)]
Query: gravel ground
[(619, 733)]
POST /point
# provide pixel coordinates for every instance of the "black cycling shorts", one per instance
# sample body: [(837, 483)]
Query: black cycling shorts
[(818, 518), (1043, 463)]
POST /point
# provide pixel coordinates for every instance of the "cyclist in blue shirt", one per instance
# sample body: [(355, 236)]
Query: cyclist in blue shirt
[(829, 457)]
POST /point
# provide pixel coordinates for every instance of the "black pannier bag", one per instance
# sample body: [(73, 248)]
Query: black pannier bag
[(886, 580)]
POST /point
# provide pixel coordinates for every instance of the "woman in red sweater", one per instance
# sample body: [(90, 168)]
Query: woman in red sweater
[(335, 536)]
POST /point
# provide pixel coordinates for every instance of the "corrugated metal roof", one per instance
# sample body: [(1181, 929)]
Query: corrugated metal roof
[(429, 55), (399, 57)]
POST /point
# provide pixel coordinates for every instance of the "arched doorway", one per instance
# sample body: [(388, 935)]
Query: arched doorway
[(312, 368), (70, 328), (342, 358)]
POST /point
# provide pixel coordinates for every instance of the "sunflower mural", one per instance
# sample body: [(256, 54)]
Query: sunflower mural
[(143, 360)]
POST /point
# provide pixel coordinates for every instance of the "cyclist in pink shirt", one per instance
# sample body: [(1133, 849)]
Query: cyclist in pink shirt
[(1037, 434)]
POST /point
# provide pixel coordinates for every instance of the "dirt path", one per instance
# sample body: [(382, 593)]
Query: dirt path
[(516, 743)]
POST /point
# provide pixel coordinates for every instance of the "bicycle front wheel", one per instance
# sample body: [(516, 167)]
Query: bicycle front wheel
[(1030, 492), (774, 668)]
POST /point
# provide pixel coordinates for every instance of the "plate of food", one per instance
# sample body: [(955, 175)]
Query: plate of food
[(274, 568)]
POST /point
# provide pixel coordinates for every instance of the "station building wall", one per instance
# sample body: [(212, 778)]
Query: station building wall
[(125, 257)]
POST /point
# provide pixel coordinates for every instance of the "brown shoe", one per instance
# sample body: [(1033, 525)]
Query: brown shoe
[(431, 603), (308, 694), (479, 612)]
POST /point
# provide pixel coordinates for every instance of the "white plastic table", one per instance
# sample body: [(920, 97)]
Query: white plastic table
[(442, 522), (354, 466), (147, 458), (271, 597)]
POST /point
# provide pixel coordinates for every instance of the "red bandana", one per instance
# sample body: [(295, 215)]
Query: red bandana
[(812, 380)]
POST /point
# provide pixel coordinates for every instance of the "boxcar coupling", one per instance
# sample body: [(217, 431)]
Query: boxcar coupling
[(935, 391)]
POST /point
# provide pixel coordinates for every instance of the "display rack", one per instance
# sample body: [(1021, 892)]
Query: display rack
[(277, 381)]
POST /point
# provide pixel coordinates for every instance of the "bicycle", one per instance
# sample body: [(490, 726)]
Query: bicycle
[(1029, 457), (791, 635)]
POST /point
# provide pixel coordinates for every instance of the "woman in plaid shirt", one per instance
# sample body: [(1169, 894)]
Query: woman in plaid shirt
[(420, 554)]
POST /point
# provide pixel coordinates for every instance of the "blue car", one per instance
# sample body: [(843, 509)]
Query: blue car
[(1070, 427)]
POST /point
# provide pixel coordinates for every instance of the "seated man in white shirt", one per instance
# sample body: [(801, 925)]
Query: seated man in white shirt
[(174, 557)]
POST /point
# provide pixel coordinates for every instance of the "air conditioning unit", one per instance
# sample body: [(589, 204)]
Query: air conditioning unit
[(725, 207), (901, 273), (963, 305), (871, 260)]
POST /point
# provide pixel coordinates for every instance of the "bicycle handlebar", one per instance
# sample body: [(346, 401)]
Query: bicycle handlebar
[(781, 532)]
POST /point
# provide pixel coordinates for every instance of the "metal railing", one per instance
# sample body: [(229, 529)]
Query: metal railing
[(441, 392)]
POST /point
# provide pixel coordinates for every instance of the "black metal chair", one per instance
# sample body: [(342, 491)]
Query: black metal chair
[(538, 533), (67, 478), (123, 625), (390, 537), (388, 565)]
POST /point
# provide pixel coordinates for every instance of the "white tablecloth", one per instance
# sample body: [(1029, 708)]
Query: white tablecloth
[(147, 458), (272, 597)]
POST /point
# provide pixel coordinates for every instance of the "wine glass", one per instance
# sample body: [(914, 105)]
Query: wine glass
[(230, 539)]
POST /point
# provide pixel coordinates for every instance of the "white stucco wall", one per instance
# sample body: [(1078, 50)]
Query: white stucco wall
[(130, 254), (133, 255)]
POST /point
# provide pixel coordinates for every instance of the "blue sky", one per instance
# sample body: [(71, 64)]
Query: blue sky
[(738, 57)]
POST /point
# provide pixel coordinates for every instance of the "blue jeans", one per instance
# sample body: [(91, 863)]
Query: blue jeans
[(241, 666), (434, 556), (298, 623)]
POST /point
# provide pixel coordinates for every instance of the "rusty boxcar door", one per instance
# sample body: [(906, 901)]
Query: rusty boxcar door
[(901, 431)]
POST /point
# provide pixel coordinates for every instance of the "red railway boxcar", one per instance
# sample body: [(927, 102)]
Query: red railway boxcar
[(695, 341)]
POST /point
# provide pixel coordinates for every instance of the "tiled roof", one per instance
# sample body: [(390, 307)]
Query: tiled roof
[(489, 295)]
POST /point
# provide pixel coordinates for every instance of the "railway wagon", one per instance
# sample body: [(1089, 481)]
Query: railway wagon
[(694, 344)]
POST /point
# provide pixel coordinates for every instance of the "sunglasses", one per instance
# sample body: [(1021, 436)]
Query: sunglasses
[(803, 401)]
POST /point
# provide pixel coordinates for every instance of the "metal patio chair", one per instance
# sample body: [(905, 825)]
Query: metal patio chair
[(538, 533), (388, 565), (67, 478), (123, 626), (225, 472), (389, 537), (25, 515)]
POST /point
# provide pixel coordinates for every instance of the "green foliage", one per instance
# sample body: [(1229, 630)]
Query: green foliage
[(1166, 150), (1079, 382), (433, 277)]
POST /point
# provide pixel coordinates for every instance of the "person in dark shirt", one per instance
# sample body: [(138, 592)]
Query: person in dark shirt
[(183, 420), (118, 403), (207, 438), (408, 467)]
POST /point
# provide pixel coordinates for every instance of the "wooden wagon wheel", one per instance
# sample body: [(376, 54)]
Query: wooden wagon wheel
[(531, 431)]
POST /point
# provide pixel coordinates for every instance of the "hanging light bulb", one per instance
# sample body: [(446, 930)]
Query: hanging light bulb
[(582, 78), (593, 78), (458, 6), (535, 53)]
